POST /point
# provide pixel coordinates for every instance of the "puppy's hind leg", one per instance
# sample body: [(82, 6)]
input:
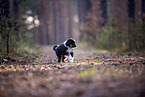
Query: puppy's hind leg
[(63, 58), (59, 58)]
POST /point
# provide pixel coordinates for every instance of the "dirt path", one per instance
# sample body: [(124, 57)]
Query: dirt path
[(93, 74)]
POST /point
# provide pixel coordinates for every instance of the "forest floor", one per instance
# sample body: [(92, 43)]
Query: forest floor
[(95, 73)]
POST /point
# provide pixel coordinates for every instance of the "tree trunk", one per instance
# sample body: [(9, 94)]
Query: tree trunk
[(57, 19), (44, 17), (131, 15), (4, 15), (143, 10), (75, 19)]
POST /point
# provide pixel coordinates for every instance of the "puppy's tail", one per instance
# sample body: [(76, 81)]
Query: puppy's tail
[(54, 48)]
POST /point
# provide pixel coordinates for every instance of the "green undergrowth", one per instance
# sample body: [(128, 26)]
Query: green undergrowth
[(24, 52), (111, 71), (96, 49), (27, 48)]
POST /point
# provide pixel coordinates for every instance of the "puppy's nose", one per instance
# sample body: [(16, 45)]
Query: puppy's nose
[(70, 45)]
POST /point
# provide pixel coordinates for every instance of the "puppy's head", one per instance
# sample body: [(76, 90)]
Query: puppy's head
[(71, 43)]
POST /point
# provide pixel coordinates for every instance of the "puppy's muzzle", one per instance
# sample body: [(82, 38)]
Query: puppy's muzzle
[(73, 46)]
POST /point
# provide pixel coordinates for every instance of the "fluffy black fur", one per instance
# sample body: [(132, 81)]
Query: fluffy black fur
[(65, 49)]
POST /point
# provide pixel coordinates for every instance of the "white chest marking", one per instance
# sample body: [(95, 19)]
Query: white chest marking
[(69, 50), (69, 56)]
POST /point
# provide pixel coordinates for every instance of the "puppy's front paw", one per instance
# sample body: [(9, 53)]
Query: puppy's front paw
[(71, 61)]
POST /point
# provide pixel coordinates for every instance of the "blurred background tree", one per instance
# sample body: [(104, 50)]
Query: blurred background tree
[(9, 25), (106, 24), (115, 24)]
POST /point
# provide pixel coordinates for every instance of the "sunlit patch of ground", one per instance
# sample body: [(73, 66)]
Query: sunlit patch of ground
[(95, 73)]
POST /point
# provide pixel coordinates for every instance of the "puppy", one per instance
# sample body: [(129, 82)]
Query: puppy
[(65, 49)]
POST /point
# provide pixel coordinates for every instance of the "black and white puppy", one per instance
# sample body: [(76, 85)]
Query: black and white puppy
[(65, 49)]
